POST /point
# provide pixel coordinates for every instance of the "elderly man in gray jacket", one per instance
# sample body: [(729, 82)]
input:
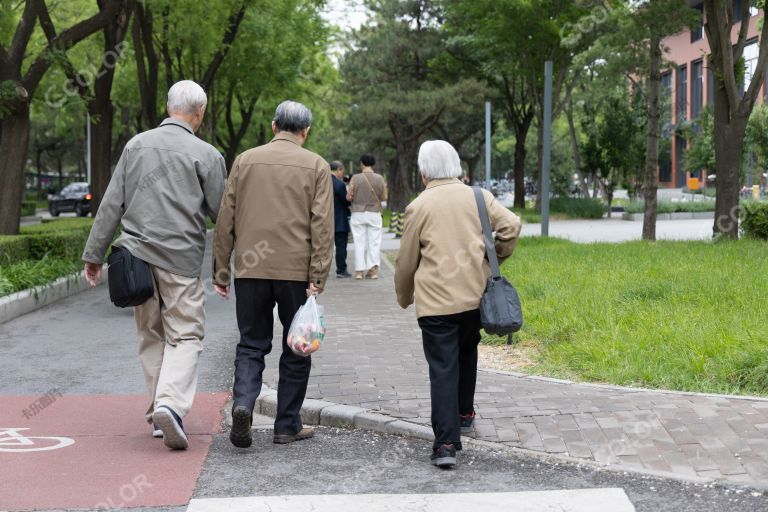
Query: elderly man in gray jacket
[(166, 182)]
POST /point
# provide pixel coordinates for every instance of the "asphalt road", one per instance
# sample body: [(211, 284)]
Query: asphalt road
[(357, 462)]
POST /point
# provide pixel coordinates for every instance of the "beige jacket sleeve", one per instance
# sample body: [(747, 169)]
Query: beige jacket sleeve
[(408, 259), (321, 227), (224, 234), (506, 225)]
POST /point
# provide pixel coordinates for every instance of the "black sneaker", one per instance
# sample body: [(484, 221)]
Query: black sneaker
[(343, 275), (466, 422), (240, 435), (170, 424), (444, 456)]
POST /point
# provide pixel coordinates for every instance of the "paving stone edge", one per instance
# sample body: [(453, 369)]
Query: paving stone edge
[(26, 301), (330, 414)]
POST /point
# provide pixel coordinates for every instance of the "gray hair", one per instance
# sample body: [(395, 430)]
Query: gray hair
[(186, 97), (291, 116), (438, 160)]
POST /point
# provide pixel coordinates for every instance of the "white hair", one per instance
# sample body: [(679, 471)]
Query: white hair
[(186, 97), (438, 160)]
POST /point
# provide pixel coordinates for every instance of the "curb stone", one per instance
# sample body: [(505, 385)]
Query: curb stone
[(623, 389), (26, 301), (337, 415)]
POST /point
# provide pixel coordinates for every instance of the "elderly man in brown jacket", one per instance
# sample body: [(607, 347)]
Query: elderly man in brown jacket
[(442, 263), (278, 207)]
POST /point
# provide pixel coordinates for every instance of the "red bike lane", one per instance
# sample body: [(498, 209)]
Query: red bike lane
[(97, 452)]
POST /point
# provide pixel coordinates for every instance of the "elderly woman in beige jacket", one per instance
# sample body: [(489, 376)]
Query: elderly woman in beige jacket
[(442, 264)]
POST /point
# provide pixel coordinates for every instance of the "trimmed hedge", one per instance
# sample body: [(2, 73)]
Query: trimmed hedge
[(670, 207), (28, 208), (754, 220), (13, 249), (578, 207), (61, 239)]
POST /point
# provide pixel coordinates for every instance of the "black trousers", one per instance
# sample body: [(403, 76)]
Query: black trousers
[(256, 299), (450, 345), (341, 239)]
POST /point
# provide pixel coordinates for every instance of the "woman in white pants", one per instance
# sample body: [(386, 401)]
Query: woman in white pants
[(367, 190)]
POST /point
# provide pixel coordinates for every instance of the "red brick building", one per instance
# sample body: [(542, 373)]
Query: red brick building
[(687, 87)]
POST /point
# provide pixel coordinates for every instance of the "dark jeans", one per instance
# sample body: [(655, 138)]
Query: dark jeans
[(256, 300), (450, 345), (342, 238)]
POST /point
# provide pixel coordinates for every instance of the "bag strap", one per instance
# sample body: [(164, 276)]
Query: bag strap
[(490, 248), (375, 195)]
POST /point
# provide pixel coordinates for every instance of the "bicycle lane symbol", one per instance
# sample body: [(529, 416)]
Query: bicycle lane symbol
[(12, 441)]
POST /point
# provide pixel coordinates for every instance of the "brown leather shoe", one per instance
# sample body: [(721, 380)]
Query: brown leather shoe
[(359, 275), (373, 273), (304, 433)]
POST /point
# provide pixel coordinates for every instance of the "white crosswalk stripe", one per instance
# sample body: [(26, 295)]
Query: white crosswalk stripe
[(582, 500)]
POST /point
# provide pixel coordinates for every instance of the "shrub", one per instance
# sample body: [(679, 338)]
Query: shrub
[(754, 220), (28, 208), (578, 207), (672, 207), (13, 249), (55, 225), (66, 245)]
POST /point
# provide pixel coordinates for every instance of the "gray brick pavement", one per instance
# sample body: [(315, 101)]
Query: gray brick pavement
[(373, 358)]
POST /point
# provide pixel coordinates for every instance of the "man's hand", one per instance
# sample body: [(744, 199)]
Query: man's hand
[(223, 291), (313, 290), (92, 273)]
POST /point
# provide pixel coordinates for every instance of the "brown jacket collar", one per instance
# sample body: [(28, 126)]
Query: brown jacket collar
[(284, 135)]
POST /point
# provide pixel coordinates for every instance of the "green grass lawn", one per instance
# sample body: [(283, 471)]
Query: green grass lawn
[(676, 315)]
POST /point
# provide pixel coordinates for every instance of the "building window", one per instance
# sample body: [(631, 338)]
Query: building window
[(680, 161), (682, 94), (666, 95), (697, 31), (751, 53), (697, 88), (737, 7), (736, 11)]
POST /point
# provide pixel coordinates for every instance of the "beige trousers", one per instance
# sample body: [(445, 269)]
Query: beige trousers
[(170, 328)]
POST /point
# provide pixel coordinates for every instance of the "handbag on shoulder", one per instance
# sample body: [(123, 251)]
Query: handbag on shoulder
[(130, 279), (500, 309)]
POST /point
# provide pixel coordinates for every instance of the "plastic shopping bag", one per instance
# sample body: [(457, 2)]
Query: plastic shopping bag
[(307, 329)]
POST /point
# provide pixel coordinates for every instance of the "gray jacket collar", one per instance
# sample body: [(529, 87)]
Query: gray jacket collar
[(177, 122)]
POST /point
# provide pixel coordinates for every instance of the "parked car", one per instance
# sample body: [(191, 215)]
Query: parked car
[(75, 197)]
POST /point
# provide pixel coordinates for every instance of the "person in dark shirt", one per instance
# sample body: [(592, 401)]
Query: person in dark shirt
[(341, 218)]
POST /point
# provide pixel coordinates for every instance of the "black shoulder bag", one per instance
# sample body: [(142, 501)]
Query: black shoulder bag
[(500, 310), (130, 279)]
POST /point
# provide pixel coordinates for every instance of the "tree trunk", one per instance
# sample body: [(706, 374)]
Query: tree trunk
[(728, 149), (14, 141), (519, 165), (102, 114), (652, 143), (399, 186), (575, 148)]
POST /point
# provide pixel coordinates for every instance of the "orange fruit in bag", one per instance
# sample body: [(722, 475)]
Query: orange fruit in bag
[(315, 344)]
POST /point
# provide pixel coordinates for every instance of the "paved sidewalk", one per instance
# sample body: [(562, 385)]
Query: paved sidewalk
[(373, 358)]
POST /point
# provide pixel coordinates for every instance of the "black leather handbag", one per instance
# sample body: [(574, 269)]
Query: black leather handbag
[(130, 279), (500, 309)]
